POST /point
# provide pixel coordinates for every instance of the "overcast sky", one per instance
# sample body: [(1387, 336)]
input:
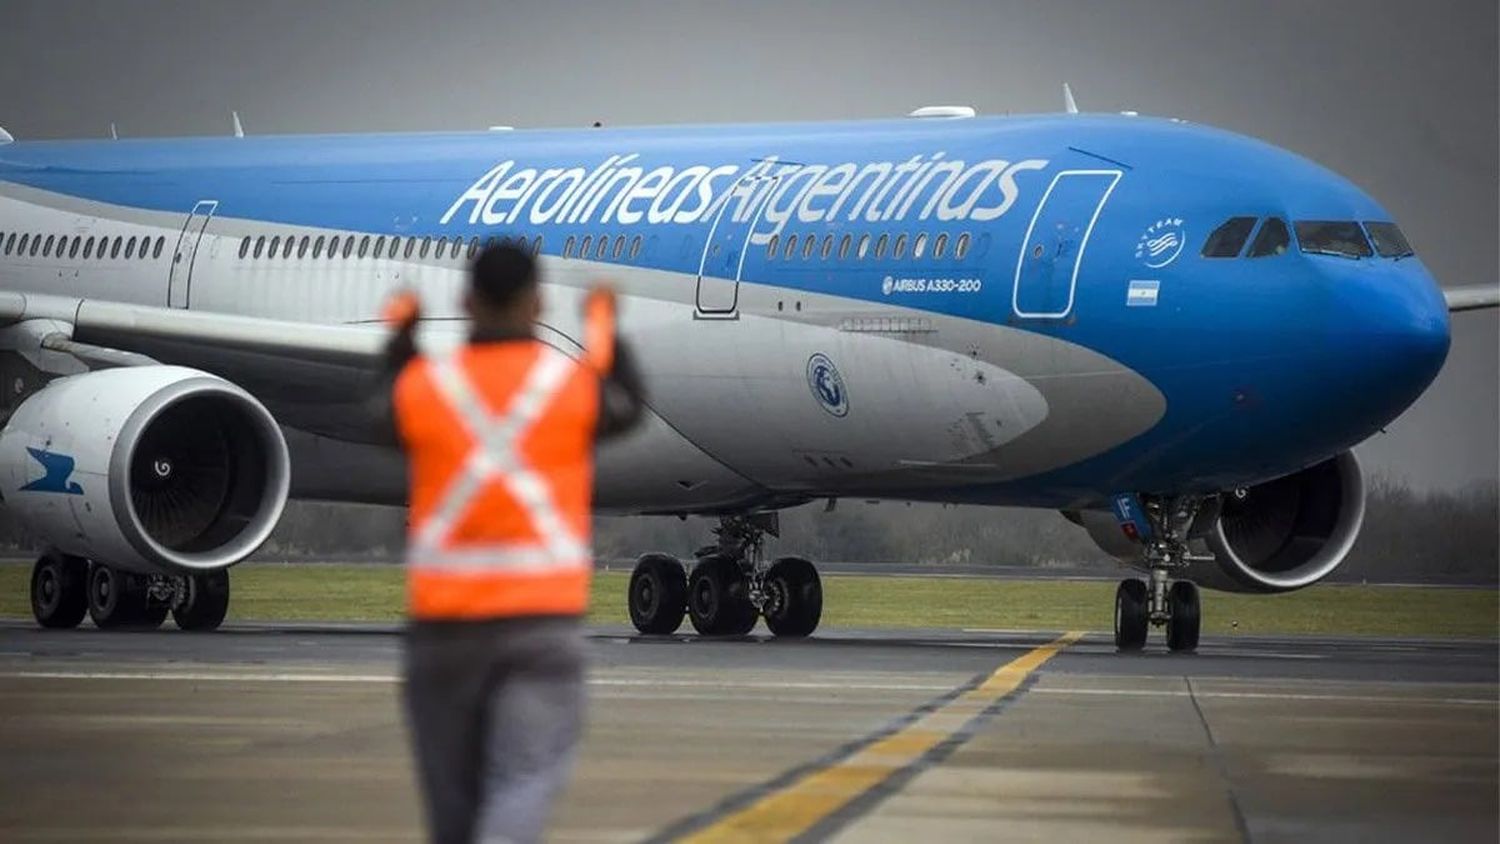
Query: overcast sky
[(1403, 97)]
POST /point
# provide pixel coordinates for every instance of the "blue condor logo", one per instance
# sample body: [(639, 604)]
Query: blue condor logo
[(59, 468), (827, 385)]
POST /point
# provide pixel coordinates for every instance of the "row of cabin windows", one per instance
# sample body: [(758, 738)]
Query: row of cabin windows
[(809, 246), (366, 246), (603, 247), (80, 246)]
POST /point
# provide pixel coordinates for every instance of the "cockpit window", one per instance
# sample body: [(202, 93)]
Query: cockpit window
[(1273, 239), (1227, 240), (1389, 241), (1333, 237)]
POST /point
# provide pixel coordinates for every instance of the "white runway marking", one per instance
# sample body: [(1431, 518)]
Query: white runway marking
[(230, 677), (1287, 696)]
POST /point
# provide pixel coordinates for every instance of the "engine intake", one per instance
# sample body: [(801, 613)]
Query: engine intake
[(1291, 532), (153, 469)]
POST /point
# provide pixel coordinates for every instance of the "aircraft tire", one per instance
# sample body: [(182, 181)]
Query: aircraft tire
[(1131, 619), (795, 604), (1185, 616), (719, 598), (206, 604), (116, 598), (59, 591), (658, 594)]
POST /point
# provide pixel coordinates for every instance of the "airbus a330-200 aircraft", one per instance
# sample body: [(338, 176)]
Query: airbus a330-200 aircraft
[(1170, 333)]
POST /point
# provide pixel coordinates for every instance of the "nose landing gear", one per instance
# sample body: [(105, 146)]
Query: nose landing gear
[(1162, 601), (729, 587)]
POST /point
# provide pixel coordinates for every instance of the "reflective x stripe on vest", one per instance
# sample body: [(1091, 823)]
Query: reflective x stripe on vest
[(494, 457)]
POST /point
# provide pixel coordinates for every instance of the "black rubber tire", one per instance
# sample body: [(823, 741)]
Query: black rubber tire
[(1131, 618), (117, 599), (1185, 617), (152, 616), (658, 594), (59, 591), (207, 602), (794, 604), (719, 598)]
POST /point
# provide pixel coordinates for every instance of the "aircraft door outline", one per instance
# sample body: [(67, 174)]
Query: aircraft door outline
[(1051, 254), (180, 278), (718, 297)]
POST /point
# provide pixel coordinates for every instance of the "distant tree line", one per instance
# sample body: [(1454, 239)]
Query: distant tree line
[(1409, 536)]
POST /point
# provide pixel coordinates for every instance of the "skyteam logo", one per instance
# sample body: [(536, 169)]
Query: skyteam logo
[(1162, 243), (59, 468), (827, 385)]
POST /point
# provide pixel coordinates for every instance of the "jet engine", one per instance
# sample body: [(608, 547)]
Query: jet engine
[(152, 469), (1276, 536)]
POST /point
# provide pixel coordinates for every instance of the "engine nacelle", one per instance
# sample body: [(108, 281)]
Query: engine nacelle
[(1275, 537), (1287, 533), (151, 469)]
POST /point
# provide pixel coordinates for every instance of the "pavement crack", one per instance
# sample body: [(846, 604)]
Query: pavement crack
[(1220, 764)]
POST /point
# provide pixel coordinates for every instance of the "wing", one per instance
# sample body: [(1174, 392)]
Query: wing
[(1472, 297), (314, 377)]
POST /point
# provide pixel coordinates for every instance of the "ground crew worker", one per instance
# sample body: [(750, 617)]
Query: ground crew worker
[(499, 436)]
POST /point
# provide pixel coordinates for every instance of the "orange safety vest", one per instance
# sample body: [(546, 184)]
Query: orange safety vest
[(500, 440)]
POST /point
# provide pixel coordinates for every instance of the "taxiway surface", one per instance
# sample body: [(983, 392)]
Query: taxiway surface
[(294, 733)]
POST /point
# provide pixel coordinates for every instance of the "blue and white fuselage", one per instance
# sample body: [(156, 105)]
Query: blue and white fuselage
[(1007, 310)]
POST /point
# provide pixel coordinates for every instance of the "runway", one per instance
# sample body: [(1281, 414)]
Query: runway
[(294, 733)]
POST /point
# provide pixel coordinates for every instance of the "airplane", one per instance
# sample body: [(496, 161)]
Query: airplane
[(1170, 333)]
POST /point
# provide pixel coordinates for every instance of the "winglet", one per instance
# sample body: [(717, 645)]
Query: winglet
[(1472, 297), (239, 128), (1068, 102), (5, 137)]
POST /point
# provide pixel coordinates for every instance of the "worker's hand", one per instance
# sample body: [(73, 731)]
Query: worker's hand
[(599, 328), (402, 310)]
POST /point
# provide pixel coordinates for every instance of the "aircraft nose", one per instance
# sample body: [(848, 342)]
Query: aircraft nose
[(1399, 335)]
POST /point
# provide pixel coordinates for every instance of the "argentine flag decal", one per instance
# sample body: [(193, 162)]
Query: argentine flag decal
[(1142, 294)]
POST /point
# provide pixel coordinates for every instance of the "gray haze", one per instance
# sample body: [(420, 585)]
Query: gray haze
[(1402, 97)]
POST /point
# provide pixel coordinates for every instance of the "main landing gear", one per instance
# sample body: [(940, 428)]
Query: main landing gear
[(1161, 600), (729, 586), (64, 588)]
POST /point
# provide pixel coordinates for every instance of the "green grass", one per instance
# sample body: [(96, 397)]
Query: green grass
[(274, 592)]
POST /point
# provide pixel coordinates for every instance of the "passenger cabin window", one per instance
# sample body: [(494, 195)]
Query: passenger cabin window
[(260, 246), (1273, 239), (899, 250), (364, 246), (114, 248), (130, 249), (864, 247), (940, 245), (1229, 238), (791, 246), (275, 247), (62, 245), (348, 246), (568, 247), (1389, 241), (1343, 238), (161, 242), (244, 247), (47, 247), (844, 243), (919, 246), (603, 246), (635, 246), (619, 245), (827, 246), (809, 244)]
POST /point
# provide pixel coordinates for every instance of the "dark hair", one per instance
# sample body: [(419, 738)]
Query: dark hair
[(502, 274)]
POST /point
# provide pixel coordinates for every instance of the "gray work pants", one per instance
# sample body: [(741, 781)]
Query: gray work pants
[(495, 709)]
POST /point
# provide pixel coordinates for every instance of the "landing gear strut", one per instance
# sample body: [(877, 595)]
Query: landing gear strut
[(1162, 600), (729, 587)]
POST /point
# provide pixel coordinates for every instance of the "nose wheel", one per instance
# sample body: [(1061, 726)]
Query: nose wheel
[(1134, 615)]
